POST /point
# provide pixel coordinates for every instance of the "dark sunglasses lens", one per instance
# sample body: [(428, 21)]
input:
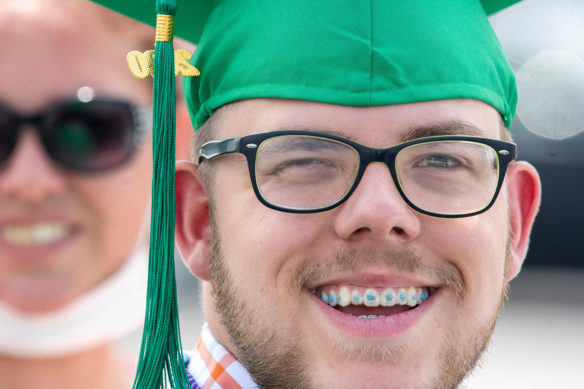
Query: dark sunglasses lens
[(8, 130), (91, 136)]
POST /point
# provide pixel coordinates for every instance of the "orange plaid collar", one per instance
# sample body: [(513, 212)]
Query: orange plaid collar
[(213, 367)]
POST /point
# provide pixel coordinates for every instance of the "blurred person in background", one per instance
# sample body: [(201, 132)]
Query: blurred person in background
[(75, 176)]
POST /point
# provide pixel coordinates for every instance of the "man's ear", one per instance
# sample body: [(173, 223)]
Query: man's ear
[(192, 229), (524, 190)]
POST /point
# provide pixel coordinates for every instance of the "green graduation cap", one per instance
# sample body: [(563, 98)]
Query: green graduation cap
[(354, 52)]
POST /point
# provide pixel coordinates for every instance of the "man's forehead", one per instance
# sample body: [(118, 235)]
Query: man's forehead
[(398, 123)]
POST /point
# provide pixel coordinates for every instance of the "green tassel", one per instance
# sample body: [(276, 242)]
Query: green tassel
[(161, 361)]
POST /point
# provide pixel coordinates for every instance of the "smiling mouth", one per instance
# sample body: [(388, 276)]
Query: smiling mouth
[(32, 235), (372, 303)]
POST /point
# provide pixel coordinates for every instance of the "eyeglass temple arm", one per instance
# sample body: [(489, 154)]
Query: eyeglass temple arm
[(215, 148)]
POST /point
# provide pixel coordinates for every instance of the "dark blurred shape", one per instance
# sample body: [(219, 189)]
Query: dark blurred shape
[(544, 40), (558, 235)]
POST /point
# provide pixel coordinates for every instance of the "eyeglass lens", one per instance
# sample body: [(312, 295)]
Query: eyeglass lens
[(8, 123), (454, 177), (82, 136), (305, 172), (90, 136), (309, 172)]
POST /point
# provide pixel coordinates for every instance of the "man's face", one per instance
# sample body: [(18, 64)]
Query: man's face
[(269, 268), (62, 232)]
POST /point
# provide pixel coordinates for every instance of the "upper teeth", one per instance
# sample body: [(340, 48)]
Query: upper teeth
[(370, 297), (34, 234)]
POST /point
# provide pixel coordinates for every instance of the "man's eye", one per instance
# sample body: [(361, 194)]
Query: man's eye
[(305, 162), (299, 171), (439, 161), (302, 164)]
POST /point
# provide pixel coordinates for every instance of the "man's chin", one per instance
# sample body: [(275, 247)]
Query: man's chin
[(368, 377), (367, 363), (407, 371)]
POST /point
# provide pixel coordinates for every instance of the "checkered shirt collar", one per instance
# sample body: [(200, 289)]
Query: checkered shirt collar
[(211, 366)]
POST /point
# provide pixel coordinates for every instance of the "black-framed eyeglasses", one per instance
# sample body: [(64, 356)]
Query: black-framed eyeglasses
[(84, 136), (305, 172)]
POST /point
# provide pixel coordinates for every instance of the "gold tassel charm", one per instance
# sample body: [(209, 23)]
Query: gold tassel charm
[(164, 28), (182, 65), (141, 64)]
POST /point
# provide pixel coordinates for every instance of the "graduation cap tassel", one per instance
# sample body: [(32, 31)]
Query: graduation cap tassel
[(161, 361)]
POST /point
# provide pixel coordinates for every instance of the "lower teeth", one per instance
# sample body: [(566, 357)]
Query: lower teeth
[(369, 316)]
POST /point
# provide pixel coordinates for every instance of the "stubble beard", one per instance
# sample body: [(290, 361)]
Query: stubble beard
[(272, 362), (277, 362)]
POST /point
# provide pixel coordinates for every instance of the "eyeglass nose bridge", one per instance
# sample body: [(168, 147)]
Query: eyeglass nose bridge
[(386, 156), (20, 124), (368, 156), (34, 122), (31, 123)]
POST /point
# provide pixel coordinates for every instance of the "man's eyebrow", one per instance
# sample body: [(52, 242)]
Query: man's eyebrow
[(453, 127), (325, 130)]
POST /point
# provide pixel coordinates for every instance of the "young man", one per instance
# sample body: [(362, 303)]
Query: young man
[(354, 208), (75, 172)]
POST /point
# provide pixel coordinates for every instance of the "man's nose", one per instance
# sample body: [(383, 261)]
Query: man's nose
[(30, 175), (376, 210)]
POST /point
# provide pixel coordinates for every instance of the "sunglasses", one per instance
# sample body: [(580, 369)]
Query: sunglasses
[(83, 136)]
